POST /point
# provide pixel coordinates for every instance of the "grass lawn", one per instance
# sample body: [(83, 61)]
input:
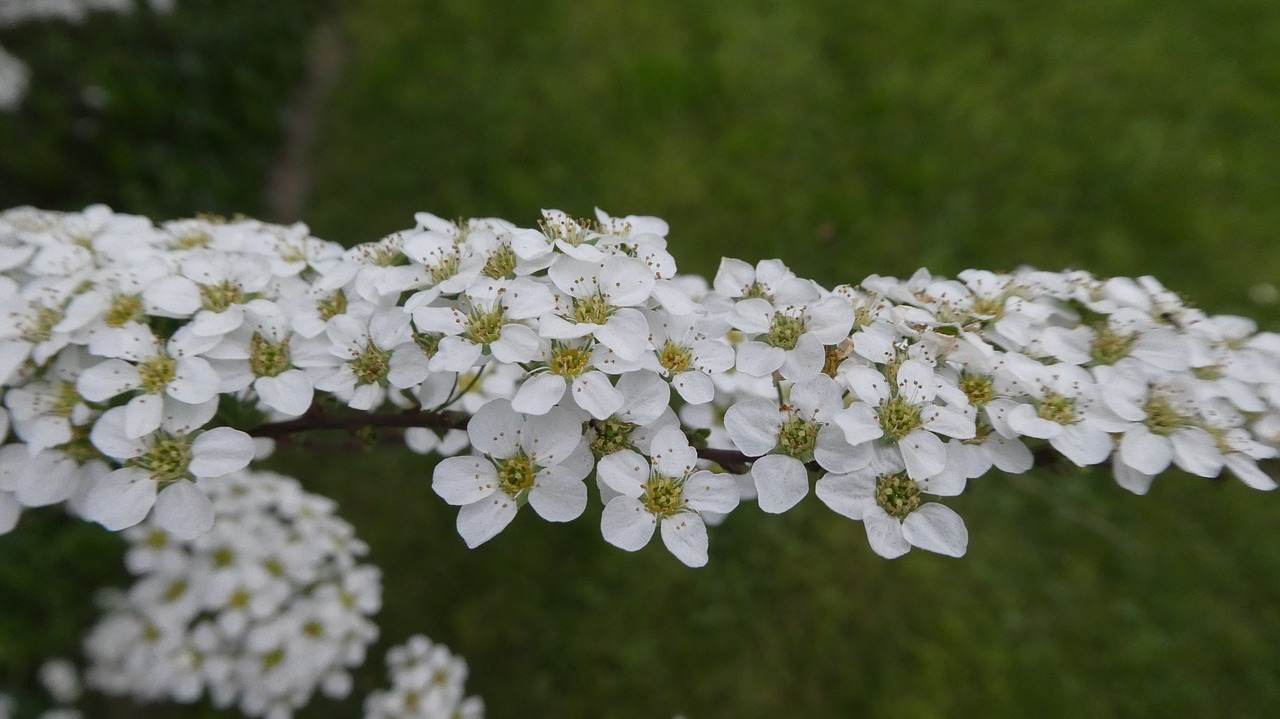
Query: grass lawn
[(846, 138)]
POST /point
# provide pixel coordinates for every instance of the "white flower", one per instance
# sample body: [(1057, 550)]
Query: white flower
[(160, 474), (888, 503), (540, 460), (670, 493), (904, 415), (799, 432)]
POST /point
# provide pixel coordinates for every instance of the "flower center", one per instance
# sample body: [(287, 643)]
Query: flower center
[(167, 460), (40, 328), (515, 475), (156, 373), (332, 306), (592, 310), (501, 263), (898, 418), (978, 388), (569, 362), (268, 359), (444, 269), (785, 331), (611, 435), (757, 291), (662, 495), (218, 297), (1057, 408), (372, 366), (484, 327), (798, 437), (124, 308), (1162, 418), (1109, 347), (675, 358), (428, 342), (897, 495)]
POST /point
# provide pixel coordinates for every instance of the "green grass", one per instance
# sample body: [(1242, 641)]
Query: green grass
[(848, 139)]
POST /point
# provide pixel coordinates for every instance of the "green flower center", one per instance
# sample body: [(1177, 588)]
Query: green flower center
[(65, 399), (332, 306), (371, 366), (573, 232), (124, 308), (484, 327), (156, 373), (40, 328), (798, 437), (785, 331), (501, 263), (675, 358), (386, 256), (978, 388), (266, 358), (444, 269), (992, 307), (593, 310), (1109, 347), (218, 297), (611, 435), (568, 361), (428, 342), (898, 418), (515, 475), (662, 495), (167, 460), (1162, 418), (1057, 408), (757, 291), (897, 495)]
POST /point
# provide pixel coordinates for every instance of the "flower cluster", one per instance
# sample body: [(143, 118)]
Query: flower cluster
[(137, 360), (426, 683), (260, 612)]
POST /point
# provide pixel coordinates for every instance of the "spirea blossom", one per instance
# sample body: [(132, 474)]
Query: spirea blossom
[(141, 362)]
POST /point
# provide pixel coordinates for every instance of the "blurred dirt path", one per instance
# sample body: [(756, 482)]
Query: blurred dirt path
[(289, 181)]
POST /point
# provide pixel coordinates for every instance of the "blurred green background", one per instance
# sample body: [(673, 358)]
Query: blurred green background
[(848, 138)]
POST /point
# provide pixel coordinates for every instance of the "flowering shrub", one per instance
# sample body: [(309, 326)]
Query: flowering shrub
[(144, 367)]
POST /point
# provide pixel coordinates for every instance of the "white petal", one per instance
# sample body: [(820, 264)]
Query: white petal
[(1144, 451), (685, 535), (142, 415), (107, 379), (694, 387), (50, 477), (549, 439), (464, 480), (539, 393), (753, 426), (121, 499), (220, 451), (626, 333), (1131, 479), (109, 437), (1082, 444), (647, 395), (556, 496), (937, 528), (194, 381), (884, 533), (183, 510), (481, 521), (289, 392), (834, 453), (626, 524), (625, 472), (924, 454), (516, 344), (10, 511), (1247, 470), (781, 482), (848, 494), (757, 359), (859, 423), (596, 394), (1196, 452), (711, 492), (495, 429)]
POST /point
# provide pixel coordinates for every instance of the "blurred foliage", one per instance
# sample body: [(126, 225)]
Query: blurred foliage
[(159, 114), (1132, 137)]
